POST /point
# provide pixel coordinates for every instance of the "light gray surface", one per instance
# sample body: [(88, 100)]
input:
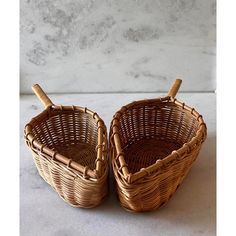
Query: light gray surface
[(109, 45), (191, 211)]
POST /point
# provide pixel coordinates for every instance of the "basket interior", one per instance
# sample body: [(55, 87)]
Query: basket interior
[(152, 131), (71, 133)]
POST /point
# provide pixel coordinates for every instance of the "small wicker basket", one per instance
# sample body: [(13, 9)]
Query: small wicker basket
[(69, 146), (153, 145)]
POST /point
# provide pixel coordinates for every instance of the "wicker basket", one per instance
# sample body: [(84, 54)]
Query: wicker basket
[(154, 143), (69, 146)]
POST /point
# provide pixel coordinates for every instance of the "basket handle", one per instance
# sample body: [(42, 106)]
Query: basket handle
[(174, 88), (44, 99)]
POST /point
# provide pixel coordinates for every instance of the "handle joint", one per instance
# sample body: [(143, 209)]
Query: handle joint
[(174, 88)]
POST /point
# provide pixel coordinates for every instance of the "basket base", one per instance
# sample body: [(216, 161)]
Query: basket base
[(82, 153), (146, 152)]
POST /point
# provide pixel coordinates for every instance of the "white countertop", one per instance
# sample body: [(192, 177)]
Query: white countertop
[(191, 211)]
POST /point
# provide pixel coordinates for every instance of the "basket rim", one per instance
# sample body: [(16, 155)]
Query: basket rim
[(85, 171), (123, 171)]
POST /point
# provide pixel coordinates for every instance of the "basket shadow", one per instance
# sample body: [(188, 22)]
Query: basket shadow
[(194, 202)]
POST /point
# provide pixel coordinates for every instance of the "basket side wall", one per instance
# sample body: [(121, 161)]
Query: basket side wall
[(72, 188), (155, 190)]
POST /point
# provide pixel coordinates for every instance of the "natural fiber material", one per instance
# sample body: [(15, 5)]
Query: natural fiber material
[(69, 146), (153, 146)]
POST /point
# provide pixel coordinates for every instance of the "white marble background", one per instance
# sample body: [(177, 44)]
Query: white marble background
[(113, 46)]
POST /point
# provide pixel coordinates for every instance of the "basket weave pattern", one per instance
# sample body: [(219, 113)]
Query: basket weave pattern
[(153, 146), (69, 147)]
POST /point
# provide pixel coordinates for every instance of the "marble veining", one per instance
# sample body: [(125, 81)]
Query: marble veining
[(100, 46)]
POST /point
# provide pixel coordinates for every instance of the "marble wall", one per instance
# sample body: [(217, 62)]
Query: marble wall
[(113, 46)]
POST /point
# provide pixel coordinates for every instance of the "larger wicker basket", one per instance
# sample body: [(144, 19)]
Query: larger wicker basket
[(154, 143), (69, 146)]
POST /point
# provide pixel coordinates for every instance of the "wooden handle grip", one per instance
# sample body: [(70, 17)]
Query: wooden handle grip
[(42, 96), (174, 88)]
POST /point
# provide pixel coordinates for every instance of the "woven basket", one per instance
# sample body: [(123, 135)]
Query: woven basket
[(69, 146), (153, 145)]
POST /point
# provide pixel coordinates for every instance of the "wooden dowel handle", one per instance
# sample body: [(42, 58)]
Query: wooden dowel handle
[(42, 96), (174, 88)]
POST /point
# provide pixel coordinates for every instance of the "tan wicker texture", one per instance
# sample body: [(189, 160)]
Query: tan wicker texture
[(69, 147), (153, 145)]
